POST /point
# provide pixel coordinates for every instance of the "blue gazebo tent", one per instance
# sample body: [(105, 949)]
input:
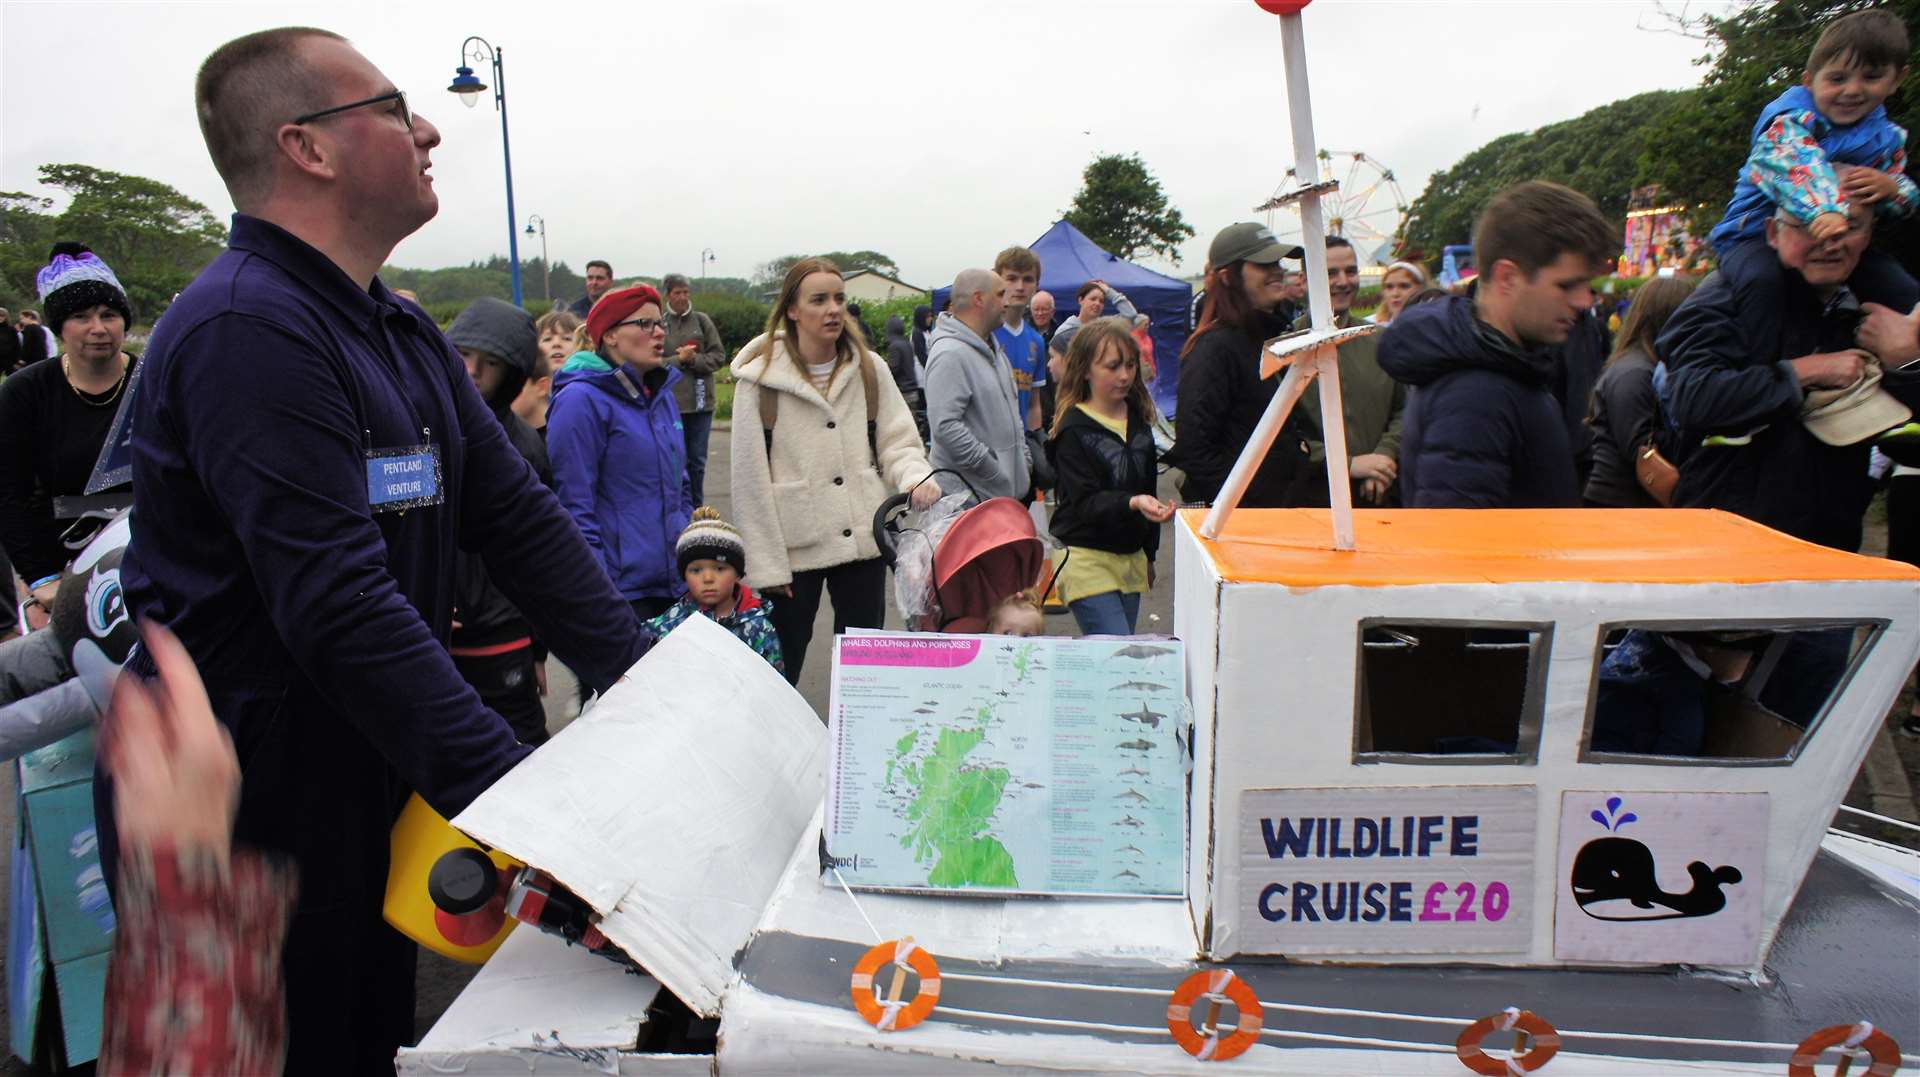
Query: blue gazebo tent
[(1068, 259)]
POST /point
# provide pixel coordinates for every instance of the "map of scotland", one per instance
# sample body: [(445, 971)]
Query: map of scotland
[(996, 764)]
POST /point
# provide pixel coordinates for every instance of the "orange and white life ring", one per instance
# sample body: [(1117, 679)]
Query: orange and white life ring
[(1215, 987), (893, 1013), (1546, 1043), (1862, 1036)]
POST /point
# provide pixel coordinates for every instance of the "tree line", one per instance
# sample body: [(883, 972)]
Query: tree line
[(1689, 142)]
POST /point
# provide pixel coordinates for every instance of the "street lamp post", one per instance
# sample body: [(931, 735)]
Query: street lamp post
[(706, 255), (546, 267), (470, 88)]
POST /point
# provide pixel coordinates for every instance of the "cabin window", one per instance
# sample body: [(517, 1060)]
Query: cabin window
[(1719, 693), (1449, 691)]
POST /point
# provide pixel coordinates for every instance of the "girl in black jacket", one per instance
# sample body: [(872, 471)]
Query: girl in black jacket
[(1103, 455)]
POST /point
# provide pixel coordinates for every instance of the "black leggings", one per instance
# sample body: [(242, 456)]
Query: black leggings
[(859, 601), (507, 686)]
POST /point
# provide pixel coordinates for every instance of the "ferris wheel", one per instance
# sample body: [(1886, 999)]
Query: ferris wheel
[(1368, 208)]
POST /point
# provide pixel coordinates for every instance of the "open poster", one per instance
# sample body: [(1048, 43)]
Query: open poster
[(995, 764)]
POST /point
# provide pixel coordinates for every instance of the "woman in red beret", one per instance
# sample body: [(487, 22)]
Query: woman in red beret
[(619, 457)]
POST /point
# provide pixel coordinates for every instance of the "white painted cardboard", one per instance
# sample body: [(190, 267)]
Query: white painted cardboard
[(1610, 834), (1129, 931), (765, 1034), (539, 1006), (1196, 585), (672, 807), (1282, 703), (1445, 870)]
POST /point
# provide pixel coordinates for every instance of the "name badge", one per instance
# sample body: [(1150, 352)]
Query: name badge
[(404, 478)]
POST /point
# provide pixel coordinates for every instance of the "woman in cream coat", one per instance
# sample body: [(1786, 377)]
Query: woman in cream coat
[(805, 487)]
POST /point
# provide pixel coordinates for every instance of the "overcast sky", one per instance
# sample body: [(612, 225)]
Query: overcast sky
[(936, 133)]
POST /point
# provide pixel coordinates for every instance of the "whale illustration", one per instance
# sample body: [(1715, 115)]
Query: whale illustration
[(1126, 875), (1133, 795), (1131, 849), (1135, 770), (1141, 650), (1139, 686), (1143, 716), (1128, 821), (1141, 744), (1613, 878)]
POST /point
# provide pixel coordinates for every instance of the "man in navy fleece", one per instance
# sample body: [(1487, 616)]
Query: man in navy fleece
[(309, 453), (1482, 428)]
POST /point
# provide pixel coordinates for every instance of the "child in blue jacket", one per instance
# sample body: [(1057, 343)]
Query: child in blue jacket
[(1835, 117)]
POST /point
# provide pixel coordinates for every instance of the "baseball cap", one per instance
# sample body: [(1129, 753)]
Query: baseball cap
[(1854, 414), (1248, 241)]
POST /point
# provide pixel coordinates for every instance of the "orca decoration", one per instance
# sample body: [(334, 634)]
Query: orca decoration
[(1614, 879)]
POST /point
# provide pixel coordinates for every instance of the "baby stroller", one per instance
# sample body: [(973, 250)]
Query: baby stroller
[(956, 561)]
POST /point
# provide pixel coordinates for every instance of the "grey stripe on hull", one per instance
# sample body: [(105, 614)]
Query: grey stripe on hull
[(1848, 951)]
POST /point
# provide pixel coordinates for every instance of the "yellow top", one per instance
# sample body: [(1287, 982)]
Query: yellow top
[(1118, 426), (1091, 572), (1398, 547)]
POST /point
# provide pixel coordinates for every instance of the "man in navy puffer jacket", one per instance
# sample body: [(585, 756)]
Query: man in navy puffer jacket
[(1482, 427)]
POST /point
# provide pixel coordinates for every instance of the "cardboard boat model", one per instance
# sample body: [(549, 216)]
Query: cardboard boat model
[(1485, 791)]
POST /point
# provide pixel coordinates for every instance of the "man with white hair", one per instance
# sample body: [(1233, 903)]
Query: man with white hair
[(973, 409), (1746, 350)]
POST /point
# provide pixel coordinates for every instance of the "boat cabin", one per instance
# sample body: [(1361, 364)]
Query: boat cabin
[(1523, 738)]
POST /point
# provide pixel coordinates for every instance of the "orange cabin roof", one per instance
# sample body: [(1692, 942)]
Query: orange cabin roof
[(1397, 547)]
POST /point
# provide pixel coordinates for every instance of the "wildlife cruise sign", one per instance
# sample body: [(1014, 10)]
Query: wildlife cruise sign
[(1437, 869), (998, 765)]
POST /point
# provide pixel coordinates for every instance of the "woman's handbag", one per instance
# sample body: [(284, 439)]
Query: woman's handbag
[(1657, 475)]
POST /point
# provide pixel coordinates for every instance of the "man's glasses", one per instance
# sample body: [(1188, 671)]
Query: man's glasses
[(398, 96), (647, 325), (1855, 225)]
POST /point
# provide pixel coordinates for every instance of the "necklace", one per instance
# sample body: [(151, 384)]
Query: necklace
[(66, 371)]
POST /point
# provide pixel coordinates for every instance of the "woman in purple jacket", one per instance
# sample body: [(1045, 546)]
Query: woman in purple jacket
[(619, 457)]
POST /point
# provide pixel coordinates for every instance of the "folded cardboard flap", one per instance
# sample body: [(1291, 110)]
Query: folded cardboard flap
[(672, 807)]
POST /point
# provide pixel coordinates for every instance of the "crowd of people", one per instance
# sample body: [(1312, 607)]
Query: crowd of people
[(391, 551)]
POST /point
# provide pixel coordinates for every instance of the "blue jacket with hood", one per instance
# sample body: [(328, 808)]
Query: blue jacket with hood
[(1482, 429), (1867, 142), (620, 460)]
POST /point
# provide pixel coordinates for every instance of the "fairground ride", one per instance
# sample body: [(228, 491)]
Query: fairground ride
[(1361, 198)]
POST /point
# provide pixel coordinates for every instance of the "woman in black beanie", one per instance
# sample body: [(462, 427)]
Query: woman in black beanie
[(55, 416)]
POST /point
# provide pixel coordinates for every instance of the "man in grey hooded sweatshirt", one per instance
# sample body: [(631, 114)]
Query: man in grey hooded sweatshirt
[(972, 406)]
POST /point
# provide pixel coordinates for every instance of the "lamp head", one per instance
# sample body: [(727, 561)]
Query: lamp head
[(467, 86)]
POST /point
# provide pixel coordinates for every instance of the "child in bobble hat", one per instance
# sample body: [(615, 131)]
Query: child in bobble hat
[(712, 559)]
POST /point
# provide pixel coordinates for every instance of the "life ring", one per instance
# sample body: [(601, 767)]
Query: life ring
[(896, 1014), (1546, 1043), (1215, 987), (1885, 1052)]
